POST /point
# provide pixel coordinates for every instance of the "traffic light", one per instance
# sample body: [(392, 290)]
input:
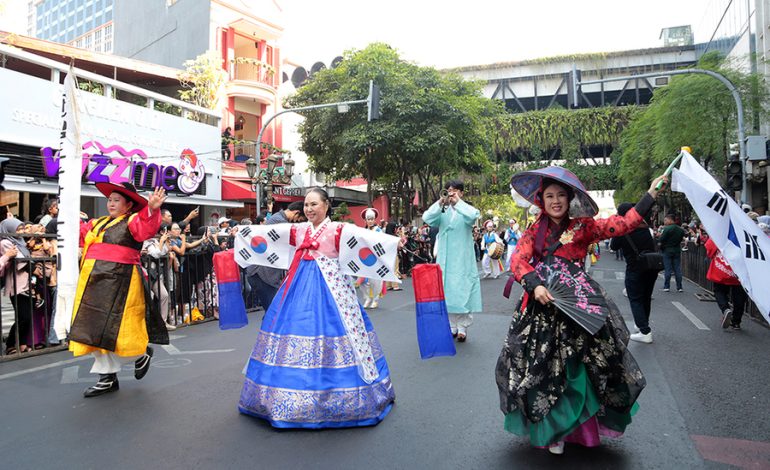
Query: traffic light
[(373, 102), (573, 88), (734, 169)]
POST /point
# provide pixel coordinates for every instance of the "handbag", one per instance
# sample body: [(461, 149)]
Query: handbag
[(647, 260)]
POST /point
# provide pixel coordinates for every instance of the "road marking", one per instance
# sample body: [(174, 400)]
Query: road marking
[(598, 275), (174, 351), (39, 368), (620, 275), (691, 316)]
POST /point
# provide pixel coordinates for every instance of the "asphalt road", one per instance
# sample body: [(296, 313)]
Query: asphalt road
[(706, 404)]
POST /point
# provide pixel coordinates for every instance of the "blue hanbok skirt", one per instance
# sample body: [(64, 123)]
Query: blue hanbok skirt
[(302, 372)]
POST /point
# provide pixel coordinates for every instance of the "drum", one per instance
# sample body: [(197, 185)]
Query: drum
[(495, 250)]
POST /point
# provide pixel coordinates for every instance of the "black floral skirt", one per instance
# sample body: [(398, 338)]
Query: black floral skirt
[(546, 354)]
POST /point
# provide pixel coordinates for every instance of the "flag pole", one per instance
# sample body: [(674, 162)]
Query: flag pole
[(672, 165)]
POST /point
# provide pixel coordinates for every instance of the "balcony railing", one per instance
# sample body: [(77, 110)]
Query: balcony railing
[(254, 70)]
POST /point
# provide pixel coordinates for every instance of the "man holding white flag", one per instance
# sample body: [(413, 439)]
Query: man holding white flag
[(741, 242)]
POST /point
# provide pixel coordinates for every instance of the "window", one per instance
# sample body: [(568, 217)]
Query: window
[(88, 42)]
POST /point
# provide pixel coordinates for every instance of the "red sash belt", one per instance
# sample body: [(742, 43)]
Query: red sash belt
[(113, 253)]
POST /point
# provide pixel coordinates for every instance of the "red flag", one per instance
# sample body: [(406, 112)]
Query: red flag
[(416, 200)]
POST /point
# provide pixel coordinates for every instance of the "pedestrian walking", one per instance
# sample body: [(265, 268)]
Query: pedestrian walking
[(731, 298), (111, 321), (511, 238), (373, 289), (454, 219), (492, 247), (317, 362), (671, 245), (640, 282), (557, 382)]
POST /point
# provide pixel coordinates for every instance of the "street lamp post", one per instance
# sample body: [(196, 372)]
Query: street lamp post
[(253, 170)]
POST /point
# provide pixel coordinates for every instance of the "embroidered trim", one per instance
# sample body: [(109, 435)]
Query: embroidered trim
[(310, 406), (350, 313), (309, 352)]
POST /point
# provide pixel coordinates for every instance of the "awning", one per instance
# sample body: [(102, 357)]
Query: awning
[(234, 190)]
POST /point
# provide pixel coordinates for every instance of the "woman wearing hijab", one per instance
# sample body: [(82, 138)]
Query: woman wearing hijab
[(558, 382), (110, 319), (16, 285)]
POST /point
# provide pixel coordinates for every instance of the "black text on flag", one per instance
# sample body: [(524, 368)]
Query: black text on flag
[(352, 242), (273, 235), (353, 266), (244, 253), (272, 258), (718, 203), (753, 250), (379, 249), (245, 232), (383, 271)]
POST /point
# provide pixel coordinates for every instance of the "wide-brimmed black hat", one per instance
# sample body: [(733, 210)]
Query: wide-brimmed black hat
[(127, 190)]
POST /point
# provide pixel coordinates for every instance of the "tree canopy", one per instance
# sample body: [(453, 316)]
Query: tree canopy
[(693, 110), (432, 123)]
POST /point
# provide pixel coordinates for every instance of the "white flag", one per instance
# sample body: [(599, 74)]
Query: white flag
[(369, 254), (68, 220), (264, 245), (745, 247)]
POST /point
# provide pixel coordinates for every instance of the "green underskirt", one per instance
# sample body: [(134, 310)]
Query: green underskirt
[(576, 406)]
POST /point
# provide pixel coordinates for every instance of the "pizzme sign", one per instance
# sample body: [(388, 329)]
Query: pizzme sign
[(114, 164)]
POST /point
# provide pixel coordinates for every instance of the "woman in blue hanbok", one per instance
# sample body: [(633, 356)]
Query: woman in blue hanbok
[(317, 362)]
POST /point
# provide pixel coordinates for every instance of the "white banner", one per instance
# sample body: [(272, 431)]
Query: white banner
[(68, 225), (264, 245), (745, 247), (369, 254)]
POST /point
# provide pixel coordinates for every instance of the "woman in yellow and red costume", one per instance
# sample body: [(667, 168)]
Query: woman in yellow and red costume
[(557, 382), (111, 318)]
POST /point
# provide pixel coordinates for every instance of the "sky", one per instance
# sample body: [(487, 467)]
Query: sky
[(451, 33)]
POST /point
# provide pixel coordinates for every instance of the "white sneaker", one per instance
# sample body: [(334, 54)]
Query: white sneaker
[(170, 327), (486, 275), (367, 302), (373, 305), (625, 292), (642, 338), (557, 448)]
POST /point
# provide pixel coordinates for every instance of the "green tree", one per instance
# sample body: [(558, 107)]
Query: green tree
[(693, 110), (432, 124), (202, 81)]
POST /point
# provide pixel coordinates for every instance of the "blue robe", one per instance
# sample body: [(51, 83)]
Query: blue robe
[(456, 255)]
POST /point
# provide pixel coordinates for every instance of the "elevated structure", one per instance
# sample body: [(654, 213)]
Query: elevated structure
[(543, 83)]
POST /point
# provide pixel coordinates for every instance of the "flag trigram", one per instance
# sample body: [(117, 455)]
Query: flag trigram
[(353, 266), (273, 235)]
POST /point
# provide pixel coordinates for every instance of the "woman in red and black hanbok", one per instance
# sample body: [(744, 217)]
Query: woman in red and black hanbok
[(557, 382), (111, 319)]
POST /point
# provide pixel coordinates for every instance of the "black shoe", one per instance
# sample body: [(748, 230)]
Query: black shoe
[(735, 327), (107, 383), (142, 365)]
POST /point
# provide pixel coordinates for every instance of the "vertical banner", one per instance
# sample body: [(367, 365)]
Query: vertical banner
[(68, 227)]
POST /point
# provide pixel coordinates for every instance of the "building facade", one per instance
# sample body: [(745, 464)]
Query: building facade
[(86, 24), (128, 133)]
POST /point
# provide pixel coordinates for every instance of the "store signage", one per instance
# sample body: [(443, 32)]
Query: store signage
[(114, 164), (124, 142)]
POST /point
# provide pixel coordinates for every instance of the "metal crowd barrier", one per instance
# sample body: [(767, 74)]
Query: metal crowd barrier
[(695, 265), (185, 294)]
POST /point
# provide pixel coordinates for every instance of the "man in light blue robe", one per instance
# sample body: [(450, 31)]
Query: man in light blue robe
[(457, 257)]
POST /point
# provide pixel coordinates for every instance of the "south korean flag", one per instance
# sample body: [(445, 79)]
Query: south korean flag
[(369, 254), (264, 245)]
